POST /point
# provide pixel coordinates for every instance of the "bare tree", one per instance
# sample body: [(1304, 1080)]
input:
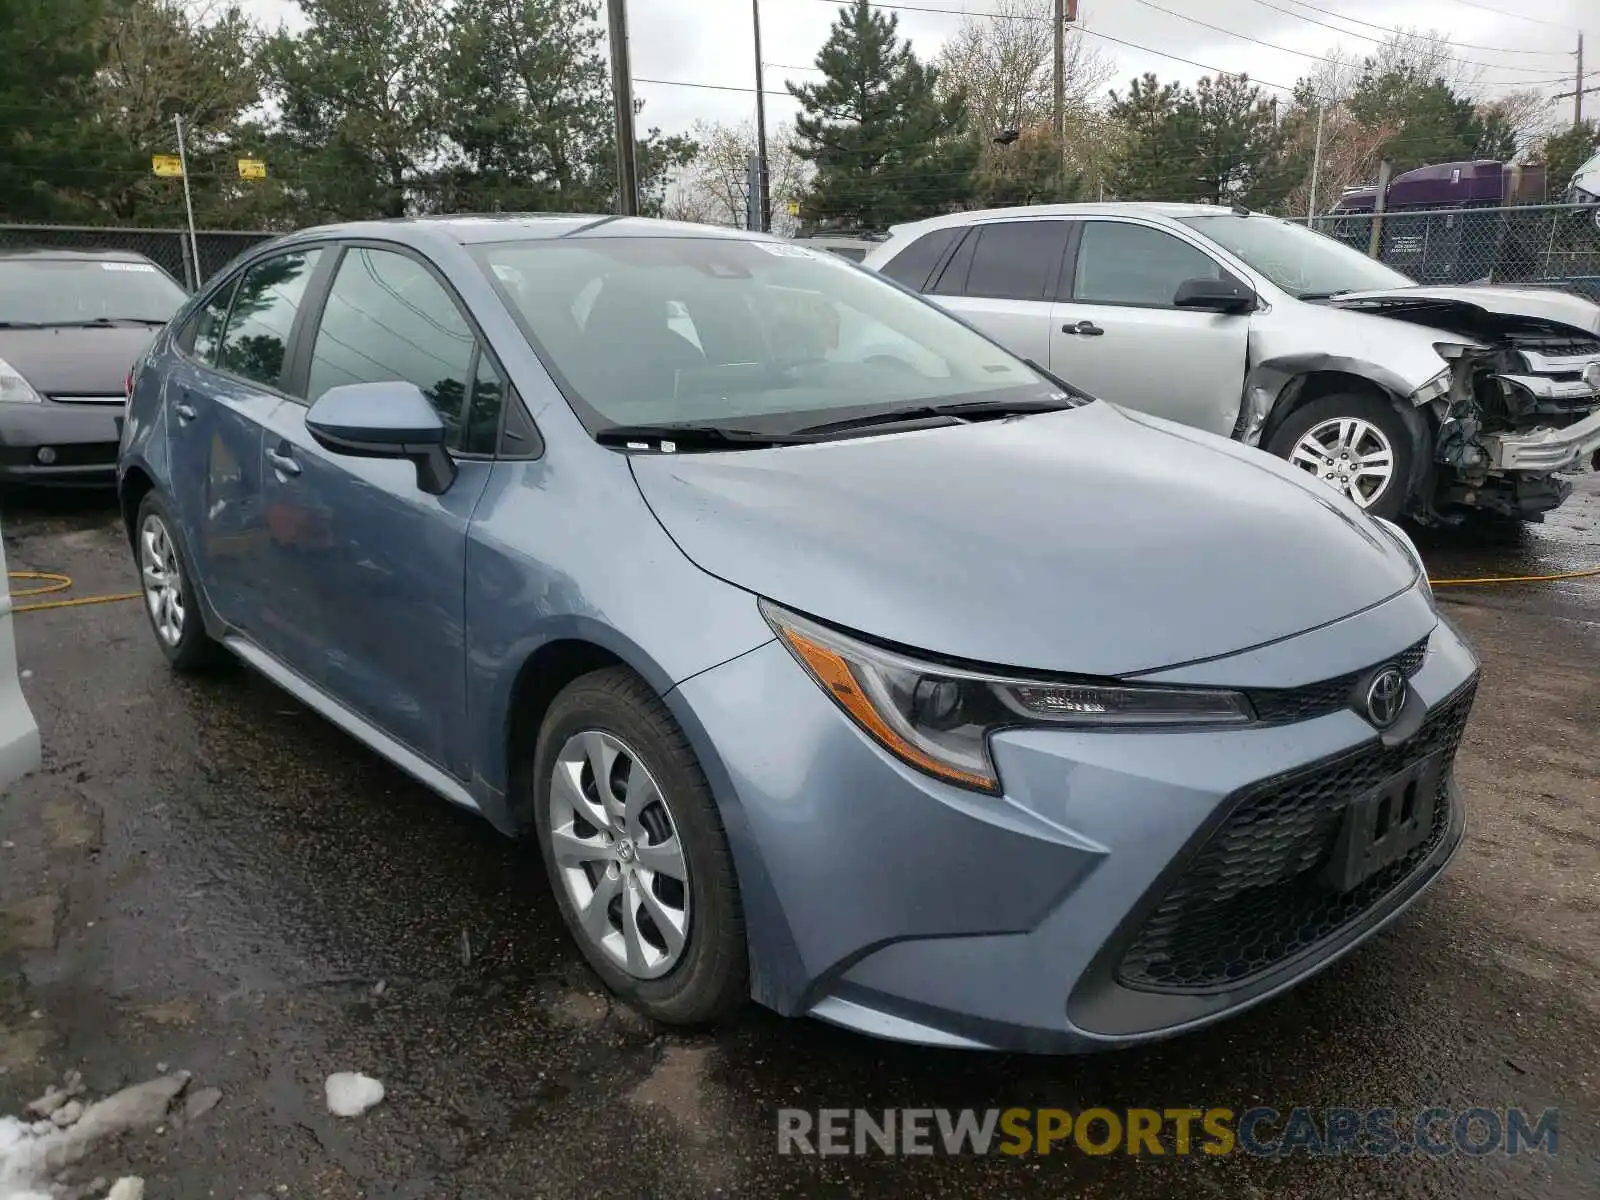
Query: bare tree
[(1004, 64), (712, 188)]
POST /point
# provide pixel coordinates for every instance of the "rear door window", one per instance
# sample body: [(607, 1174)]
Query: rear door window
[(1016, 260), (256, 338)]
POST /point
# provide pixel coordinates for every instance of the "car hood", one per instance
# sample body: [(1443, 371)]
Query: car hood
[(75, 362), (1090, 541), (1484, 311)]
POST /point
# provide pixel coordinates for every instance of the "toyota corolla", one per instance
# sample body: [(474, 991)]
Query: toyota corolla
[(833, 655)]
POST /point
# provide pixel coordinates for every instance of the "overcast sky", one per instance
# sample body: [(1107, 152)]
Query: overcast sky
[(709, 42)]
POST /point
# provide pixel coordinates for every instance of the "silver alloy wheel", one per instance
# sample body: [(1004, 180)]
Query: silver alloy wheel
[(1348, 454), (618, 854), (163, 579)]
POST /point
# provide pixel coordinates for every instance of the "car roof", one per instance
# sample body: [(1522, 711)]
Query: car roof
[(49, 253), (469, 229), (1159, 210)]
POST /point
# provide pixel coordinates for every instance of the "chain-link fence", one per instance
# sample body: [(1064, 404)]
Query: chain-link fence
[(167, 247), (1542, 245)]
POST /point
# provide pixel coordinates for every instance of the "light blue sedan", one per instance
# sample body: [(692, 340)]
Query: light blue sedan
[(834, 655)]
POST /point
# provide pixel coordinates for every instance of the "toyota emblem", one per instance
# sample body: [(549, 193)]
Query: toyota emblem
[(1591, 375), (1386, 696)]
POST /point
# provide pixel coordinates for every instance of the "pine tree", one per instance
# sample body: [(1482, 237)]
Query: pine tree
[(885, 146)]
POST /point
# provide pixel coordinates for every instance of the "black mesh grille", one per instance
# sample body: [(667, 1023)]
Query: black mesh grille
[(1281, 706), (1254, 895)]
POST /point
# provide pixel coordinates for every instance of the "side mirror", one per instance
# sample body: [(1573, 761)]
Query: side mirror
[(1215, 295), (385, 420)]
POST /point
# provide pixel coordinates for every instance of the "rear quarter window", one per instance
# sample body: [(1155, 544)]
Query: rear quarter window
[(916, 262)]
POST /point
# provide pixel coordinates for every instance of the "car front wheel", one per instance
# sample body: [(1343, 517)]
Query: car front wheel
[(635, 850), (1356, 444)]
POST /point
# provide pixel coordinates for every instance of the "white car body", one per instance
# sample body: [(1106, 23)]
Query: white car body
[(1496, 389)]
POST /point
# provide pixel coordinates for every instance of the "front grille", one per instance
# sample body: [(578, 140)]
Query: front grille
[(1252, 897), (1557, 347), (1282, 706)]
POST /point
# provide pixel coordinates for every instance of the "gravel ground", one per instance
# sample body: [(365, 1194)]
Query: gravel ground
[(205, 876)]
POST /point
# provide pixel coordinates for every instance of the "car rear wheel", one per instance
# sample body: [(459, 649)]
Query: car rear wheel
[(635, 850), (169, 595), (1356, 444)]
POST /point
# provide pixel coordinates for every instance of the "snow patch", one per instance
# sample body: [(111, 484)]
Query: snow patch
[(350, 1094)]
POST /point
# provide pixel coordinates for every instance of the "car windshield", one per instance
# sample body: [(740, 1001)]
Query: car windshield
[(747, 334), (71, 291), (1300, 261)]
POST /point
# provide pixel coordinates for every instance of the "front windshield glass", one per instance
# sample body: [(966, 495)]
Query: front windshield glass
[(734, 333), (1300, 261), (57, 291)]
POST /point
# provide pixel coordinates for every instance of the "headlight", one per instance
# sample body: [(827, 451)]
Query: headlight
[(939, 718), (14, 387), (1403, 539)]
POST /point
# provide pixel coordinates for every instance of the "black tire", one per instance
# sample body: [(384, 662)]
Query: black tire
[(711, 978), (194, 650), (1391, 498)]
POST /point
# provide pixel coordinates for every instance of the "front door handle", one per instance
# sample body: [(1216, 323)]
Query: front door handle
[(282, 463), (1083, 328), (185, 412)]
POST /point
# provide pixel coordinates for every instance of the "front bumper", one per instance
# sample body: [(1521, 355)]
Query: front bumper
[(883, 900), (1544, 450), (51, 442)]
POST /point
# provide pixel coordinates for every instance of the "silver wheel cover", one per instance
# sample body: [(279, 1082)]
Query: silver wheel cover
[(1350, 455), (618, 855), (163, 579)]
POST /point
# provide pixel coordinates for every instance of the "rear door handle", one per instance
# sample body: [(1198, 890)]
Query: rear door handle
[(185, 412), (1084, 328), (282, 463)]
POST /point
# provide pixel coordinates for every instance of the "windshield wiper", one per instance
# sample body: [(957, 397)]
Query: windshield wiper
[(970, 410), (20, 325), (101, 322), (1324, 295), (668, 438)]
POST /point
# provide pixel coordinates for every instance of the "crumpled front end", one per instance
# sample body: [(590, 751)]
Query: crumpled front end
[(1518, 411)]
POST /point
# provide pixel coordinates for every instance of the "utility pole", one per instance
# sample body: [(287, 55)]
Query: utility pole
[(1577, 88), (1058, 96), (752, 195), (188, 202), (1316, 164), (1380, 202), (765, 181), (1578, 91), (622, 93)]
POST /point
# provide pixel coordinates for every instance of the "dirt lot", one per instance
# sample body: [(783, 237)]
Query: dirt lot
[(204, 875)]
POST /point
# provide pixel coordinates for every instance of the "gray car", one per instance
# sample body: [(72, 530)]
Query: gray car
[(833, 655), (1432, 402), (72, 324)]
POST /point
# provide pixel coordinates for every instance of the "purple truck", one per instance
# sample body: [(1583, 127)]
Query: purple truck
[(1458, 222)]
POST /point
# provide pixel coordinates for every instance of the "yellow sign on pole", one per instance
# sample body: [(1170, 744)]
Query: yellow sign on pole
[(793, 208), (252, 168), (169, 166)]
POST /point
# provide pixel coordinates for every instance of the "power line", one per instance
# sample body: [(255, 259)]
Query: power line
[(1094, 33), (1500, 12), (713, 87), (1316, 57), (1389, 29)]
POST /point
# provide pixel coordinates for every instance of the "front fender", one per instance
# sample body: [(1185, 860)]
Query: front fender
[(1272, 381)]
